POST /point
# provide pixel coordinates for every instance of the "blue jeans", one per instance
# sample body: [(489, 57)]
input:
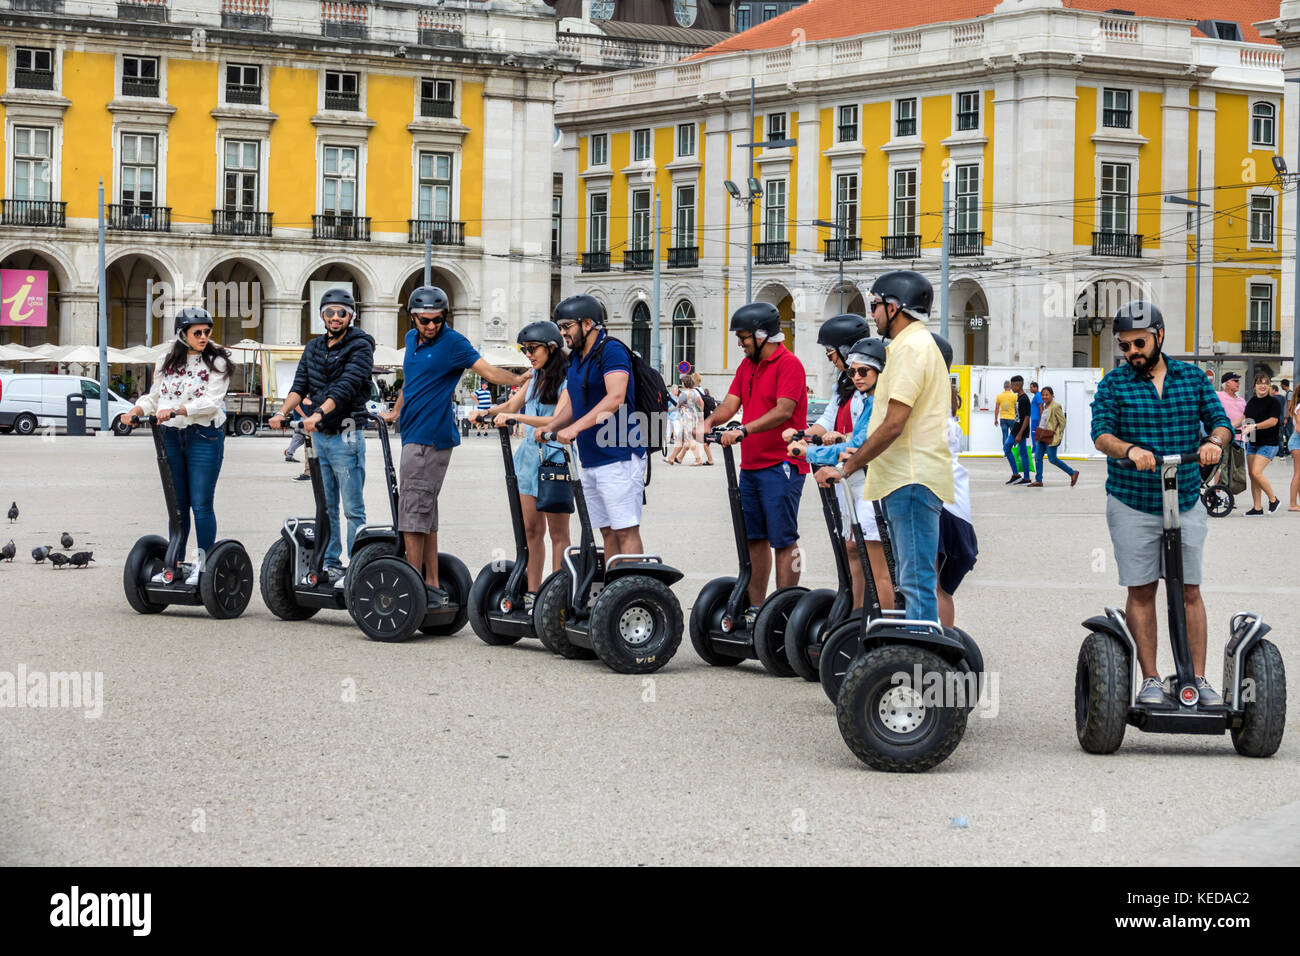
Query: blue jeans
[(195, 454), (913, 515), (1009, 442), (1041, 448), (342, 468)]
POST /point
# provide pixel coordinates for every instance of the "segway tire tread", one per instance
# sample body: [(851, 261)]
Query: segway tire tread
[(1102, 688), (711, 596), (482, 600), (615, 600), (276, 584), (226, 581), (549, 610), (149, 547), (1260, 734), (770, 627), (810, 606), (455, 580)]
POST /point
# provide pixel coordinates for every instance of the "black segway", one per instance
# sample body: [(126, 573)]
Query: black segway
[(385, 593), (1105, 681), (497, 609), (721, 633), (154, 576), (619, 608), (293, 580)]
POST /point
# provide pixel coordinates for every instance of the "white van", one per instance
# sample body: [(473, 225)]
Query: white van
[(29, 402)]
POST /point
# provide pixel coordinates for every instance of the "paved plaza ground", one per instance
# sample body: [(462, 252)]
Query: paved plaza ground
[(242, 742)]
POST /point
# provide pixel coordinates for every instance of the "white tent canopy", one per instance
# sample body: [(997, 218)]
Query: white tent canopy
[(89, 355), (387, 356), (504, 357)]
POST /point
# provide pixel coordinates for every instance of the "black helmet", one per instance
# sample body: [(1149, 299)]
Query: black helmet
[(757, 317), (543, 331), (841, 331), (187, 317), (945, 347), (909, 290), (578, 307), (1138, 314), (427, 297), (338, 297), (869, 350)]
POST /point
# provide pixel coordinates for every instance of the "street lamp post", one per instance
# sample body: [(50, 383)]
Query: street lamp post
[(840, 228)]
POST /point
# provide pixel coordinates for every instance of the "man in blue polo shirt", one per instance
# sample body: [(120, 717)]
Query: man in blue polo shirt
[(596, 411), (436, 357)]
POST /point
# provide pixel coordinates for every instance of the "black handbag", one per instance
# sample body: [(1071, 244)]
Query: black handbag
[(554, 486)]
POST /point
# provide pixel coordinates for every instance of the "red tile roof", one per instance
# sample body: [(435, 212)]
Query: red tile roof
[(830, 19)]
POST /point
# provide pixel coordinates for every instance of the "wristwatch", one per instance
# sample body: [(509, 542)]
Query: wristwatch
[(744, 430), (1213, 440)]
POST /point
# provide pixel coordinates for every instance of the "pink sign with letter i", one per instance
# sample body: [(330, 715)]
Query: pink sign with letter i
[(23, 296)]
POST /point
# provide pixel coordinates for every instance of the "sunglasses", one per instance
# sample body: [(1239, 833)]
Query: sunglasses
[(334, 313), (860, 371), (565, 326), (530, 349), (203, 332), (431, 320), (1138, 344)]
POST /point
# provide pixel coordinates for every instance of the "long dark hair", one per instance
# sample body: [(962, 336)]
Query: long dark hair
[(551, 375), (175, 361), (844, 387)]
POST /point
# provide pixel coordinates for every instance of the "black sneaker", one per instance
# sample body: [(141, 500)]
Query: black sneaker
[(303, 477), (1253, 512), (1012, 480), (288, 458), (437, 597), (1272, 505)]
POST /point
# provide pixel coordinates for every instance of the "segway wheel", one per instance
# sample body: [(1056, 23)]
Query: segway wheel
[(806, 623), (1264, 691), (455, 580), (889, 723), (226, 580), (141, 564), (357, 561), (388, 600), (706, 615), (276, 582), (839, 649), (485, 597), (636, 624), (1102, 689), (550, 611), (1218, 501), (769, 630)]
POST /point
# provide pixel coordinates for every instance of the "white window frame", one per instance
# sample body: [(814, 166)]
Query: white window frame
[(957, 112), (691, 323), (678, 208), (11, 150), (840, 124), (896, 116), (257, 205), (956, 194), (640, 241), (358, 209), (1253, 283), (1131, 93), (591, 222), (437, 82), (681, 129), (451, 184), (854, 205), (1129, 216), (239, 63), (649, 144), (139, 58), (361, 90), (784, 206), (894, 199), (557, 225), (1257, 143), (770, 125), (160, 177), (55, 56), (1251, 241), (591, 150)]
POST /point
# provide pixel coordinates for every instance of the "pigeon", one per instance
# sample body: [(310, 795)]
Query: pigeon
[(82, 559), (8, 551), (13, 512), (58, 560), (66, 540), (39, 554)]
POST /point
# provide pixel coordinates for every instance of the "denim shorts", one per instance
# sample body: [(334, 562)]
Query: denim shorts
[(1267, 451), (1293, 443), (769, 500)]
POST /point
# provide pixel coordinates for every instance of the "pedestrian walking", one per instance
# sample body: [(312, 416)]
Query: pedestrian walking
[(1262, 439), (1035, 409), (1288, 426), (674, 423), (1019, 434), (689, 416), (1148, 407), (1004, 413), (1048, 435), (770, 389), (907, 445), (335, 371), (436, 358), (188, 397), (1293, 446), (1234, 405), (296, 438), (483, 399)]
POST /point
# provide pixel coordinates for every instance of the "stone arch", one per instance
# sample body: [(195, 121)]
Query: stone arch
[(968, 321), (129, 319), (235, 289), (854, 299), (1100, 296), (367, 283), (58, 315)]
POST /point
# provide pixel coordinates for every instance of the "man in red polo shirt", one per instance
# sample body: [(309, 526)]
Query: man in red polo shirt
[(771, 387)]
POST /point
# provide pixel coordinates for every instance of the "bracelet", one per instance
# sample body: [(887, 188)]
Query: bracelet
[(745, 430), (1214, 441), (1127, 456)]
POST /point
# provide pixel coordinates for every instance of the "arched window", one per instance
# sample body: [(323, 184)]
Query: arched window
[(641, 330), (684, 335), (1262, 125)]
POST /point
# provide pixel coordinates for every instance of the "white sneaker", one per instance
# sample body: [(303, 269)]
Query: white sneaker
[(192, 579)]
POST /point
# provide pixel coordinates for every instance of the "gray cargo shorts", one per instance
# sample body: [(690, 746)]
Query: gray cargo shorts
[(423, 469), (1136, 538)]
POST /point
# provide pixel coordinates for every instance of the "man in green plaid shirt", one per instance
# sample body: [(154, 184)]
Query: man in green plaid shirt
[(1149, 407)]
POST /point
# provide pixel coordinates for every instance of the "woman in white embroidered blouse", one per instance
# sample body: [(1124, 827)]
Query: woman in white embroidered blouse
[(188, 398)]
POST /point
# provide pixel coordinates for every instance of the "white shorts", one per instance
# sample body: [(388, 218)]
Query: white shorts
[(857, 483), (614, 493)]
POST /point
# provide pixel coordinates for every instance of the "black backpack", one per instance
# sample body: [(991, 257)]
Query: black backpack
[(652, 400), (710, 403)]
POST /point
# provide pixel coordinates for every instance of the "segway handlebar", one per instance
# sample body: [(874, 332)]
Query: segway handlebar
[(137, 420), (1186, 458), (714, 434)]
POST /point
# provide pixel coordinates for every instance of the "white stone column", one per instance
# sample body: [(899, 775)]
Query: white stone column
[(380, 320), (1286, 31), (570, 213), (1177, 178), (282, 322), (79, 318), (715, 205)]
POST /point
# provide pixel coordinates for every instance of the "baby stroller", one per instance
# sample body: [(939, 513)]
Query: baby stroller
[(1222, 482)]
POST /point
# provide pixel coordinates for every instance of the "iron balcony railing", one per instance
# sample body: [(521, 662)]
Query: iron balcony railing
[(595, 262), (1117, 244), (240, 222), (349, 102), (441, 232), (848, 132), (1116, 119), (443, 109), (903, 246), (906, 127), (140, 86), (637, 260), (245, 93), (154, 11), (33, 79), (1261, 341), (137, 217), (848, 249), (33, 212), (683, 257), (967, 243), (771, 253), (340, 226)]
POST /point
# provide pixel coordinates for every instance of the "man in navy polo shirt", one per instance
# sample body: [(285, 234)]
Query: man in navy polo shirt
[(596, 411), (436, 357), (771, 387)]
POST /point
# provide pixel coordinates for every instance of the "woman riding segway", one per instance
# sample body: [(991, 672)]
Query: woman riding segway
[(186, 405)]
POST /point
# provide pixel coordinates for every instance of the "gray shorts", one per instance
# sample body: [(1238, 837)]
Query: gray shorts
[(423, 469), (1136, 538)]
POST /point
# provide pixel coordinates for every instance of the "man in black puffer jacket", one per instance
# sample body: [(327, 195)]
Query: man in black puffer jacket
[(335, 371)]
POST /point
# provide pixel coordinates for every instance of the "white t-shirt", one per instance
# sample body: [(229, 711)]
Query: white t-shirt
[(960, 477)]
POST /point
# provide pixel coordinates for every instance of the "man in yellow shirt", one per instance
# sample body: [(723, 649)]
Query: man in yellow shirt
[(907, 438), (1004, 410)]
